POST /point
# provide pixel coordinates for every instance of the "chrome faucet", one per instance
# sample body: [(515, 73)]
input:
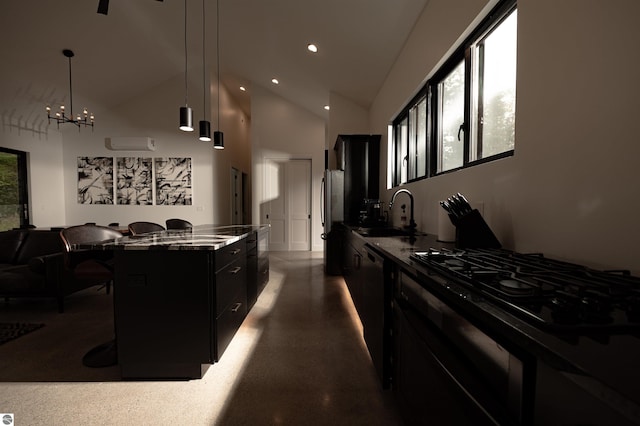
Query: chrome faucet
[(412, 223)]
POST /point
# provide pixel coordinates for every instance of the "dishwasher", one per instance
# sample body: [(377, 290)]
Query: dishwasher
[(375, 312), (446, 370)]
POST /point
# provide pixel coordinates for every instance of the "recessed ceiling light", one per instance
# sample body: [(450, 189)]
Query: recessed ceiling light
[(327, 107), (275, 81), (312, 47), (243, 88)]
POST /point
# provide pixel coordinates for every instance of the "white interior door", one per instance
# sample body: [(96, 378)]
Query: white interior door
[(299, 214), (288, 210)]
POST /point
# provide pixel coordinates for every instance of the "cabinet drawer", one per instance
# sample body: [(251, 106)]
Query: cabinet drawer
[(230, 253), (229, 321), (230, 282)]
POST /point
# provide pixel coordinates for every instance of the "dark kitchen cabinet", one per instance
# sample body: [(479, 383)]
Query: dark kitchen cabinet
[(353, 269), (448, 371), (177, 310), (425, 393), (163, 319), (252, 269), (263, 259), (359, 157), (257, 265), (367, 278), (231, 294)]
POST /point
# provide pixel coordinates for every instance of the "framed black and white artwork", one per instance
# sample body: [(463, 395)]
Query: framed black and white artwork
[(134, 180), (173, 181), (95, 180)]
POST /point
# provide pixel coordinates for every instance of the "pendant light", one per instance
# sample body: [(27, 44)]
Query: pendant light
[(205, 125), (218, 137), (186, 114)]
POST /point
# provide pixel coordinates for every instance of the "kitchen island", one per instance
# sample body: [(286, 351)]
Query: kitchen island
[(181, 295)]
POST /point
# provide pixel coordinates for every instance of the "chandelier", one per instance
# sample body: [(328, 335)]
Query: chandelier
[(84, 119)]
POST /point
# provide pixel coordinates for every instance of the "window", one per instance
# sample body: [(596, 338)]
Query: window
[(450, 116), (495, 94), (410, 136), (13, 189), (465, 114)]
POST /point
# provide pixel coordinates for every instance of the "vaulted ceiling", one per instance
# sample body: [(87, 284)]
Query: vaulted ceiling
[(140, 44)]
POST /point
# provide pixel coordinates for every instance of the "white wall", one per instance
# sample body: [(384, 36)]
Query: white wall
[(570, 190), (282, 130), (53, 157), (44, 159)]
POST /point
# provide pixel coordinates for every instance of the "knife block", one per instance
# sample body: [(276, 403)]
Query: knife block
[(473, 232)]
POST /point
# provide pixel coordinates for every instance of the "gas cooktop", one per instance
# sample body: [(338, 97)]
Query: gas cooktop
[(554, 295)]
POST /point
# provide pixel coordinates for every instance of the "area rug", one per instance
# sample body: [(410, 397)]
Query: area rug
[(13, 330)]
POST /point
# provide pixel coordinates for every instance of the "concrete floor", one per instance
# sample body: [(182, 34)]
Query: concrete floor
[(298, 359)]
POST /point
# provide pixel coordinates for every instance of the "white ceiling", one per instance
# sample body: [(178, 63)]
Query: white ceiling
[(140, 44)]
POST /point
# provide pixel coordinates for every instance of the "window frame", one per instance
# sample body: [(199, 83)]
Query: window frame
[(429, 90)]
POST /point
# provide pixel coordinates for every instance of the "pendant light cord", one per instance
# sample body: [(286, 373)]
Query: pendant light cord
[(204, 74), (218, 55), (185, 55), (70, 91)]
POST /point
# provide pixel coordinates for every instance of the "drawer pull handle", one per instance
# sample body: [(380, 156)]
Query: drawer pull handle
[(235, 251), (236, 307), (235, 270)]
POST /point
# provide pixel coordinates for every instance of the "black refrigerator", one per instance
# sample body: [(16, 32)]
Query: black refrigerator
[(346, 189)]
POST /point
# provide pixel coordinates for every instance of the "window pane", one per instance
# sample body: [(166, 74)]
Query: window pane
[(403, 142), (411, 173), (421, 139), (451, 117), (498, 108), (9, 192)]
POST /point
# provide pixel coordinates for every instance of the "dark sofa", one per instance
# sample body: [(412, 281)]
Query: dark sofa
[(32, 265)]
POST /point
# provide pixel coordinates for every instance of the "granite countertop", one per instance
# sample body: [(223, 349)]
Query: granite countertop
[(200, 237), (608, 365)]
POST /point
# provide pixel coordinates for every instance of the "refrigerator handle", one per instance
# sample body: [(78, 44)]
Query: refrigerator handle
[(322, 201)]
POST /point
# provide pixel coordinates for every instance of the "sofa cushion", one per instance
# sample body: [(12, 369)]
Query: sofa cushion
[(39, 243), (9, 243)]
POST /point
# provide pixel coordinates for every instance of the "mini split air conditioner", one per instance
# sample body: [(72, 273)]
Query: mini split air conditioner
[(130, 144)]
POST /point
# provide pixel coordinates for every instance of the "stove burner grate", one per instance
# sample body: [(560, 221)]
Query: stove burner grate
[(551, 293)]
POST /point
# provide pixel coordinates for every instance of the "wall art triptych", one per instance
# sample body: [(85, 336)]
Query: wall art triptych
[(134, 179)]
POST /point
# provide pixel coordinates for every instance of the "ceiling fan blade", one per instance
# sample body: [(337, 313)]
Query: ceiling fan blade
[(103, 7)]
